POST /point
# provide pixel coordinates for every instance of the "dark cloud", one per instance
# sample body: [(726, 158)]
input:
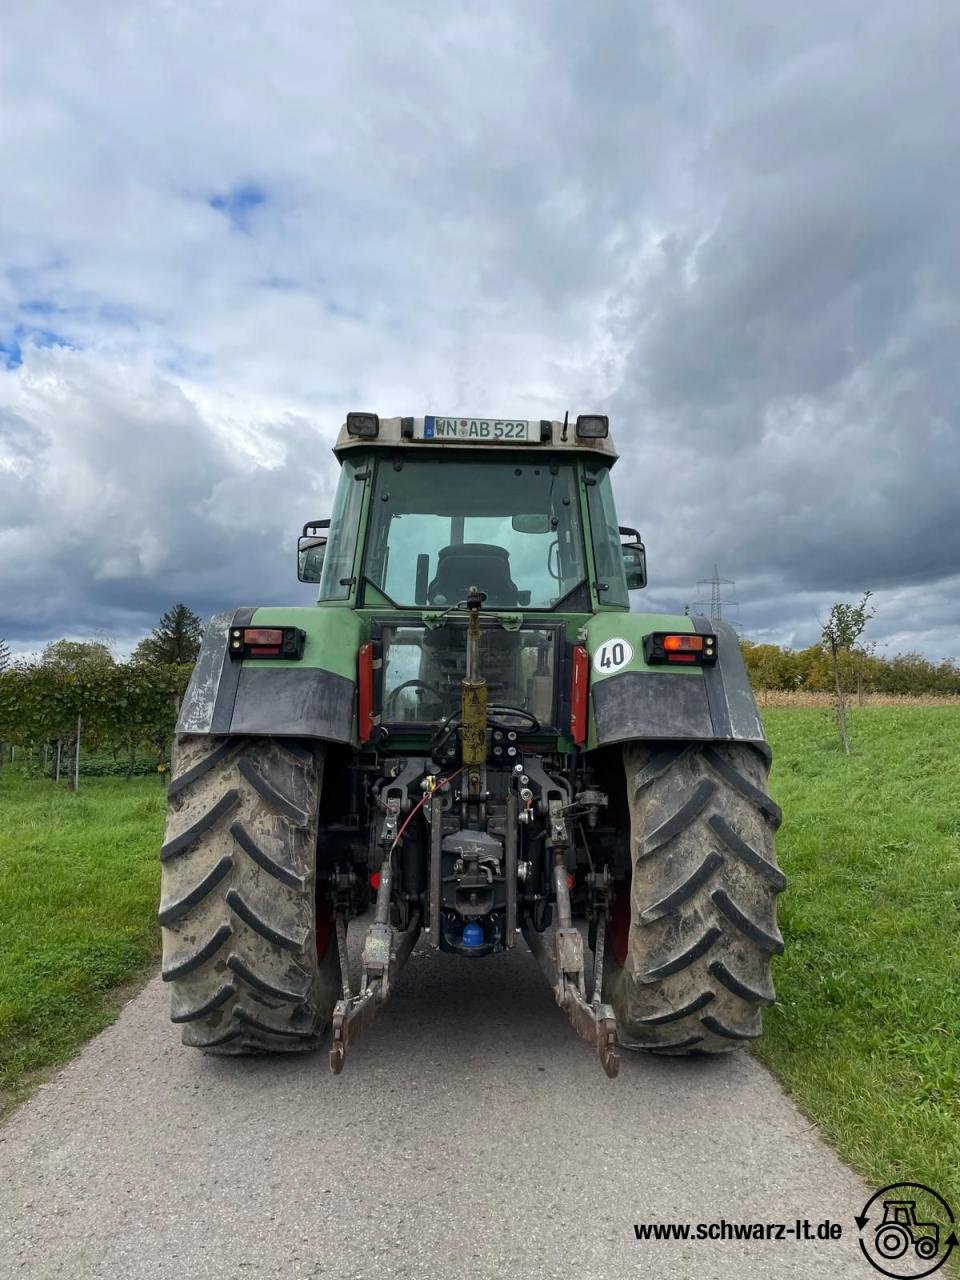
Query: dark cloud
[(794, 340), (124, 500)]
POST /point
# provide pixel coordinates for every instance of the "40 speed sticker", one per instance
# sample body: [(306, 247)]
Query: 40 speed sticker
[(612, 656)]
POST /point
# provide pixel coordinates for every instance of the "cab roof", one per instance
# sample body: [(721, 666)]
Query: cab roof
[(473, 434)]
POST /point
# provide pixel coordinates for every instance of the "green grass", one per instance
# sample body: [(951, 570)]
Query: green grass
[(79, 883), (866, 1031)]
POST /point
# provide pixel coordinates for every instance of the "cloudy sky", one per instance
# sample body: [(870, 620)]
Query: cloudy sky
[(733, 226)]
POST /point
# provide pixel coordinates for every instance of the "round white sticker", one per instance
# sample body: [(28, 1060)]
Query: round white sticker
[(612, 655)]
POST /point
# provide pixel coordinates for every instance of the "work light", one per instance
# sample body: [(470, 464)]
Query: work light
[(593, 426), (366, 426)]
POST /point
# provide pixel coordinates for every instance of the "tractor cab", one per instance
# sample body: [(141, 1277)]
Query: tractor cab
[(428, 511), (428, 507)]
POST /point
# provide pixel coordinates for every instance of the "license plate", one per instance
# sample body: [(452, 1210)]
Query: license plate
[(500, 430)]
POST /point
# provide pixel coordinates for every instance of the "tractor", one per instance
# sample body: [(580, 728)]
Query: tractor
[(468, 740)]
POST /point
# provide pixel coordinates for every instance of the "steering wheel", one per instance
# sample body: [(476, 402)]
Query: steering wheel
[(507, 717), (390, 705)]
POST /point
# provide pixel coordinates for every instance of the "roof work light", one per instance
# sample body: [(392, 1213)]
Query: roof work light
[(594, 426), (365, 426)]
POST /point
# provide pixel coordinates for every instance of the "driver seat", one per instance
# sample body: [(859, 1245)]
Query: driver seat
[(473, 564)]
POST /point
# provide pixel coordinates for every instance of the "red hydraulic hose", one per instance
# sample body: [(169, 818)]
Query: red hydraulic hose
[(444, 782)]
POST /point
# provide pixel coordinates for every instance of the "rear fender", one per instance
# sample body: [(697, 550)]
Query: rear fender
[(314, 697), (630, 700)]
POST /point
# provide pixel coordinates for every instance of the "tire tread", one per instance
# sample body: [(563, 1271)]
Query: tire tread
[(703, 899), (237, 908)]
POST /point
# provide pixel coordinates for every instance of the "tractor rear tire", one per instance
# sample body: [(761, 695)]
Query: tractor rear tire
[(702, 905), (238, 901)]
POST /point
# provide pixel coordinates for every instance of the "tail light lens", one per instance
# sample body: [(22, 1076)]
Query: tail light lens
[(579, 685), (267, 642), (365, 692), (665, 648)]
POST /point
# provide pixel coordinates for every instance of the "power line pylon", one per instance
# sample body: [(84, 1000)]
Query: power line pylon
[(717, 602)]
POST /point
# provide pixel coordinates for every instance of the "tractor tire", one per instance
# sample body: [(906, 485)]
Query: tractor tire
[(238, 909), (694, 968)]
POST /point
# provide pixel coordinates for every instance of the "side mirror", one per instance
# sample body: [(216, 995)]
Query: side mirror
[(310, 551), (634, 562), (538, 523)]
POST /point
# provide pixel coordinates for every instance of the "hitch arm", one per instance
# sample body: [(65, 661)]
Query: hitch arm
[(560, 953), (385, 952)]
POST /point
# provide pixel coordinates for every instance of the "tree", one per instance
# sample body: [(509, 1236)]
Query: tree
[(77, 657), (175, 639), (74, 669), (840, 633)]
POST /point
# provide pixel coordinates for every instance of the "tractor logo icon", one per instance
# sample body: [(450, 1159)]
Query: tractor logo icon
[(914, 1235), (900, 1229)]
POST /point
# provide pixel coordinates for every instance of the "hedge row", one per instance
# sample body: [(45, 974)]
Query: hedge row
[(906, 674), (126, 708)]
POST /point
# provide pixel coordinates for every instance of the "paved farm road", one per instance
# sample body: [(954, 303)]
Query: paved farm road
[(471, 1135)]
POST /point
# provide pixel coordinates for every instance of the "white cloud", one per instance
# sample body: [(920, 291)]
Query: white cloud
[(225, 226)]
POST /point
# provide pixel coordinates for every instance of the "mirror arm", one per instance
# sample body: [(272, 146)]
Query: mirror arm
[(314, 524)]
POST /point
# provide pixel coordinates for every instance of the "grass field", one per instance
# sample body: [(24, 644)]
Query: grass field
[(866, 1031), (79, 880)]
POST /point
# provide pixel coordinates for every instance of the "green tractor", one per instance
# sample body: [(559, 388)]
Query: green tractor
[(468, 738)]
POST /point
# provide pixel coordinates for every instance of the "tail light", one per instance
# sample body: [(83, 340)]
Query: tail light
[(578, 694), (365, 692), (267, 642), (665, 648)]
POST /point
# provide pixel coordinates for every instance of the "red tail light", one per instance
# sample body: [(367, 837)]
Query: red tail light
[(263, 635), (578, 695), (365, 692), (698, 649), (692, 644), (267, 642)]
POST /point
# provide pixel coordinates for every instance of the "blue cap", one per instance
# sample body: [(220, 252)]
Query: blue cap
[(473, 935)]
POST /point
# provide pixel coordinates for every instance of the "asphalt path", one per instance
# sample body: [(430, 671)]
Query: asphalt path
[(470, 1135)]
